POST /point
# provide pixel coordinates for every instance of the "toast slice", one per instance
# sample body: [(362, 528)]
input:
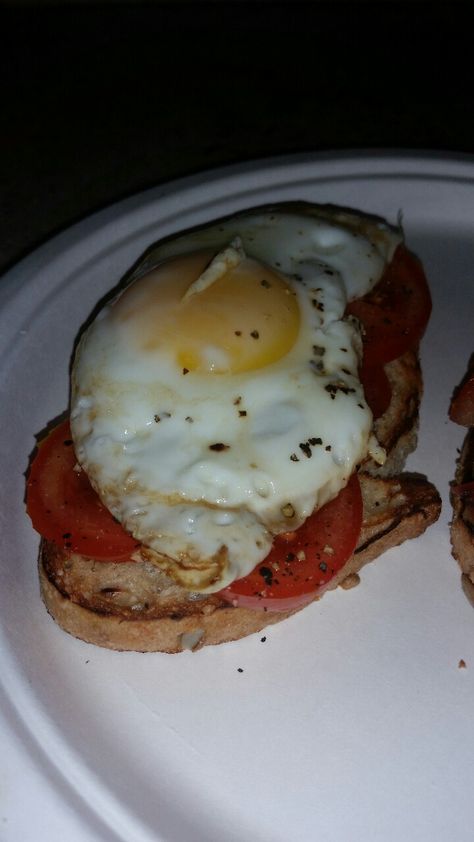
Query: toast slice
[(462, 525), (135, 606)]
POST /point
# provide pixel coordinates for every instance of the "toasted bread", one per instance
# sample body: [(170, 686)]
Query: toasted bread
[(135, 606), (462, 525), (397, 429)]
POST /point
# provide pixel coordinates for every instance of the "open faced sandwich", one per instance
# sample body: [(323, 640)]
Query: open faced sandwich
[(240, 415)]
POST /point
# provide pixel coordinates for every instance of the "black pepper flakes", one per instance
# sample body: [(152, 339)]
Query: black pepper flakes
[(254, 334), (239, 669), (185, 370), (263, 639), (67, 442), (242, 413), (238, 332), (218, 447), (305, 447), (333, 388), (294, 457), (265, 283), (267, 575)]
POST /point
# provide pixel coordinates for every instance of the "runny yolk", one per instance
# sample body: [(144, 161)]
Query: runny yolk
[(246, 319)]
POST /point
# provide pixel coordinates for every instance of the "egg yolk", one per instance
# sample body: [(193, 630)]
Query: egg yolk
[(247, 318)]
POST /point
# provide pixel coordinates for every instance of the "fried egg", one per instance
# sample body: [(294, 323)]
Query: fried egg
[(216, 400)]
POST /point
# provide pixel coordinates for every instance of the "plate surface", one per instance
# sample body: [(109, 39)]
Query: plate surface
[(353, 719)]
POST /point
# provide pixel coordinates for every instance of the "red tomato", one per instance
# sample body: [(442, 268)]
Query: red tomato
[(65, 509), (395, 313), (377, 389), (302, 563), (461, 410)]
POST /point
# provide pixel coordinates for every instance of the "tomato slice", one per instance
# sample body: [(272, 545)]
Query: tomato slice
[(302, 563), (461, 410), (377, 389), (395, 313), (65, 509)]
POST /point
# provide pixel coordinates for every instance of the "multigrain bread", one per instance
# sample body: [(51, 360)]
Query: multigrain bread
[(137, 607), (462, 525), (461, 411), (397, 429)]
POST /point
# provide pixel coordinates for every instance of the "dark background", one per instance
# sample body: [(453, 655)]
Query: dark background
[(102, 100)]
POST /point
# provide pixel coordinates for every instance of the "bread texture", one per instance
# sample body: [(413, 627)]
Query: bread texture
[(397, 429), (462, 525), (135, 606)]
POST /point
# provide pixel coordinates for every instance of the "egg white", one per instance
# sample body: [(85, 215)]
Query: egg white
[(204, 469)]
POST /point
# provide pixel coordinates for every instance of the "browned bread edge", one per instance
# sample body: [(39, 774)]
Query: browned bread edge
[(462, 525), (394, 510)]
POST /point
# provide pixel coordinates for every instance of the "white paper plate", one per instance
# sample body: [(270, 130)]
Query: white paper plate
[(352, 721)]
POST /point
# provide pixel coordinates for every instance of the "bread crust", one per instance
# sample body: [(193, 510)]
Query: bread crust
[(117, 616), (397, 429), (462, 525)]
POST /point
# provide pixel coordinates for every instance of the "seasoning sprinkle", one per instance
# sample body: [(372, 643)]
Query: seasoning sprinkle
[(267, 575), (218, 447), (254, 334)]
